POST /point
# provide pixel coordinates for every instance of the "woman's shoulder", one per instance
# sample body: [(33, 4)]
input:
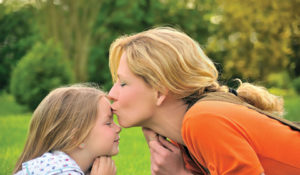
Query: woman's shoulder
[(218, 114), (216, 108)]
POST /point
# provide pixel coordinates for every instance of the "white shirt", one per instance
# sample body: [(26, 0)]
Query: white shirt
[(51, 163)]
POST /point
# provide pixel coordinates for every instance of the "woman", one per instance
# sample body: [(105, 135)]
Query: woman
[(163, 81)]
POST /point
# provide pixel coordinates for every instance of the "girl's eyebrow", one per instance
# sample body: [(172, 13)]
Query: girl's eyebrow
[(110, 116)]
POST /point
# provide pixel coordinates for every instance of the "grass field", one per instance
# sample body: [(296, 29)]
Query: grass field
[(134, 157)]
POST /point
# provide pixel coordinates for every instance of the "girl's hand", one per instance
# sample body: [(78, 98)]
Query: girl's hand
[(103, 165)]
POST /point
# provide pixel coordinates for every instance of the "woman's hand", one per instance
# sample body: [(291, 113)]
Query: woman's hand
[(103, 165), (166, 158)]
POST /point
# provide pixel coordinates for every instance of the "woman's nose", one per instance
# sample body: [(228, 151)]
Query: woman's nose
[(112, 95)]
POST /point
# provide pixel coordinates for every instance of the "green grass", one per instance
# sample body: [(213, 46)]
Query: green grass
[(134, 157), (8, 105), (12, 136)]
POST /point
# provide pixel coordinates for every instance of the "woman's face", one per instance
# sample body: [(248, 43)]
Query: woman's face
[(133, 99)]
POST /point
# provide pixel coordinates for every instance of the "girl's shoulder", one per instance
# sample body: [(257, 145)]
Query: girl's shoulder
[(51, 163)]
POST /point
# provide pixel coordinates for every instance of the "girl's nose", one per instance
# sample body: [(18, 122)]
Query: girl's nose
[(118, 128)]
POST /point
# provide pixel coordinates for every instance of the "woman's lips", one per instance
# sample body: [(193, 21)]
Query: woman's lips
[(113, 111)]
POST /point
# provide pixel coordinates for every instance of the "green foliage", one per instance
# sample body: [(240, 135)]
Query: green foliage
[(250, 39), (291, 106), (16, 38), (115, 20), (296, 84), (253, 38), (282, 92), (280, 80), (41, 70), (71, 25)]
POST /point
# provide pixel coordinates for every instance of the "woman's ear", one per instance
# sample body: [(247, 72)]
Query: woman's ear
[(161, 96)]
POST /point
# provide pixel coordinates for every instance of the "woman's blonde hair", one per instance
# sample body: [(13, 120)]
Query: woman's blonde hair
[(167, 58), (62, 121)]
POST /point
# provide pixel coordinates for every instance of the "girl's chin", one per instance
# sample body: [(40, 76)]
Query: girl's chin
[(115, 152)]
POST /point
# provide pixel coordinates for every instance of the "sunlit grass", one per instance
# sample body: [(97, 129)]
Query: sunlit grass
[(12, 136), (8, 105)]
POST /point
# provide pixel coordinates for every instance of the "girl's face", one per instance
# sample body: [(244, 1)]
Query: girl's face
[(104, 137), (133, 99)]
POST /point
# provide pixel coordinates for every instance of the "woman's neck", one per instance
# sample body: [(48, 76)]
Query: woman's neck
[(168, 118)]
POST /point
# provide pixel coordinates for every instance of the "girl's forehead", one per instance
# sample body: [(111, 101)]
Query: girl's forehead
[(104, 106), (105, 99)]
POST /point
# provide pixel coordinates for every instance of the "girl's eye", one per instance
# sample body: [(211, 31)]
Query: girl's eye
[(108, 123)]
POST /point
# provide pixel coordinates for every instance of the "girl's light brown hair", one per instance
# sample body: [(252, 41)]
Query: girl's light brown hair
[(167, 58), (62, 121)]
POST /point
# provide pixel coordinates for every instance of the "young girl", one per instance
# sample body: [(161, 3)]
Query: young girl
[(71, 131)]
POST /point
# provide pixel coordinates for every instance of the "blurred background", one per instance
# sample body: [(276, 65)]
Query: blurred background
[(48, 43)]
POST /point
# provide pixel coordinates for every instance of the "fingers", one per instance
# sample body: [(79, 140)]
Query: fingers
[(163, 160), (156, 146), (106, 162), (170, 146), (104, 165), (149, 134), (95, 167)]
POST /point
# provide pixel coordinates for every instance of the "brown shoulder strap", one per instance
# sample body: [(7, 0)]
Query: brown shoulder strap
[(231, 98)]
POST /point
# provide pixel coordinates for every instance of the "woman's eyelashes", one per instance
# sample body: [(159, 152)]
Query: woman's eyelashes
[(122, 84)]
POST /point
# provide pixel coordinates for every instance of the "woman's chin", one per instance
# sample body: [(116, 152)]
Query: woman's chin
[(124, 124)]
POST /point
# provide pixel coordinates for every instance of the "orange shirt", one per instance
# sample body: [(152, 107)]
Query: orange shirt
[(227, 138)]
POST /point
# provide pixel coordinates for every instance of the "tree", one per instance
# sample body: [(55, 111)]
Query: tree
[(70, 23), (114, 19), (42, 69), (17, 37), (253, 38)]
